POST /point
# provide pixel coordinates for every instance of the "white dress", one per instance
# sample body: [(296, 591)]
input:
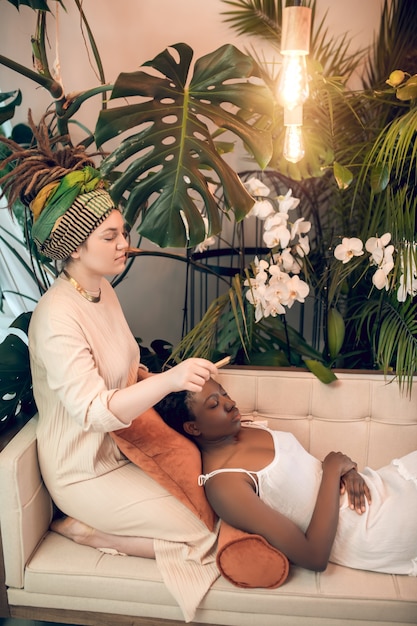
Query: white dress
[(383, 539)]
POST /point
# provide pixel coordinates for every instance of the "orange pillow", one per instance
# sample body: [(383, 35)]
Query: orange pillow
[(249, 560), (175, 463), (169, 458)]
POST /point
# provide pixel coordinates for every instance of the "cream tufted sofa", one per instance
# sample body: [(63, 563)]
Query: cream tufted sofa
[(47, 577)]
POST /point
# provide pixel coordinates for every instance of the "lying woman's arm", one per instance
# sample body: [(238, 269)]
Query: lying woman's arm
[(233, 499)]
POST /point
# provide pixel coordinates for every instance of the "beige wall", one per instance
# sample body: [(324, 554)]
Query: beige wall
[(128, 33)]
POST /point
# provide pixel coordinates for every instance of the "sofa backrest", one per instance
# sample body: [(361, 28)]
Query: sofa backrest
[(364, 416)]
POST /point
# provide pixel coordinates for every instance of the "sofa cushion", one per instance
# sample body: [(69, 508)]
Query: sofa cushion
[(85, 579)]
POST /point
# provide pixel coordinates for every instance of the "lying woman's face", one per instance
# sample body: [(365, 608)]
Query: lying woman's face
[(216, 414)]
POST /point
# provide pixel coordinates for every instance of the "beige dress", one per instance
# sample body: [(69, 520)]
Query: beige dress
[(82, 352)]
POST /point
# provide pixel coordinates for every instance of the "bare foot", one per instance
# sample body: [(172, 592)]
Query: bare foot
[(73, 529), (112, 544)]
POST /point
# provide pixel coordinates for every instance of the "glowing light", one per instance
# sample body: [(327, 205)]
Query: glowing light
[(293, 89), (293, 83), (293, 142)]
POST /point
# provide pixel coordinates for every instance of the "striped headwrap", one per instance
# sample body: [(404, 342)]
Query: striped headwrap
[(66, 212)]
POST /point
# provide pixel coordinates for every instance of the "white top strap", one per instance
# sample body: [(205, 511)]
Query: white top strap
[(203, 478)]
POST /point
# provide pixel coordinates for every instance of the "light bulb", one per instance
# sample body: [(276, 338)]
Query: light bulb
[(293, 81), (293, 143)]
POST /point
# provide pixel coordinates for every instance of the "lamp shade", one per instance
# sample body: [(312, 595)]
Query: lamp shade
[(296, 27)]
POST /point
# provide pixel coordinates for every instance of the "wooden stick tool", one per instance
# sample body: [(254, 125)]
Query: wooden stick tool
[(223, 362)]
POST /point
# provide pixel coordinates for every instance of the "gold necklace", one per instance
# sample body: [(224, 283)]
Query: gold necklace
[(81, 290)]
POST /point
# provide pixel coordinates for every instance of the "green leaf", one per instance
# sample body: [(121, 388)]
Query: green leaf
[(15, 376), (172, 153), (343, 175), (323, 373), (22, 322), (9, 101), (269, 358), (379, 178), (335, 332), (408, 91), (36, 5)]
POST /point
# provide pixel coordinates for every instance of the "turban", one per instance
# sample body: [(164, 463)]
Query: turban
[(66, 212)]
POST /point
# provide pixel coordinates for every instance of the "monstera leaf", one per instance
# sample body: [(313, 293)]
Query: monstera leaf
[(172, 156), (15, 377), (8, 103), (36, 5)]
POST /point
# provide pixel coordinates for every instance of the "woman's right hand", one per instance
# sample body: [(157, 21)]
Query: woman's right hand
[(190, 375), (339, 463), (133, 400)]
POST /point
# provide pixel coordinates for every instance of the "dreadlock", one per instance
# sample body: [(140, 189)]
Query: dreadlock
[(36, 166)]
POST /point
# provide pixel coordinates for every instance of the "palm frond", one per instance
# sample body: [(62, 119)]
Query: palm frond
[(258, 18), (395, 150), (394, 46), (201, 341), (393, 328)]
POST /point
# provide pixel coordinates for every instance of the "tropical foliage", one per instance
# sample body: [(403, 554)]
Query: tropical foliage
[(356, 181), (168, 156), (181, 156)]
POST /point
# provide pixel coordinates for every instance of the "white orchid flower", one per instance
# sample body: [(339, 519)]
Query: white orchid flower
[(186, 226), (376, 245), (279, 236), (277, 219), (274, 307), (380, 278), (256, 283), (261, 209), (261, 268), (287, 203), (300, 227), (276, 231), (349, 248), (260, 264), (286, 260), (276, 273), (256, 296), (256, 187), (276, 295), (208, 241), (407, 287), (256, 287), (388, 258), (303, 246), (298, 290)]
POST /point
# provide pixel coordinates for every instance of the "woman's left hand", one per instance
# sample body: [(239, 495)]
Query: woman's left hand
[(357, 490)]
